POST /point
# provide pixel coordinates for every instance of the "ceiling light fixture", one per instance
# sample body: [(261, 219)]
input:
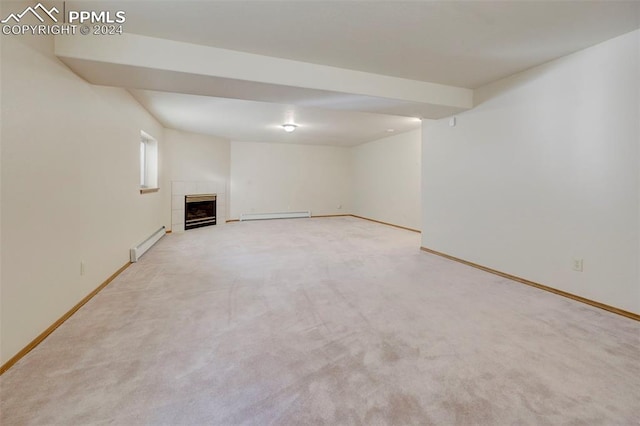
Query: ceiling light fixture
[(289, 127)]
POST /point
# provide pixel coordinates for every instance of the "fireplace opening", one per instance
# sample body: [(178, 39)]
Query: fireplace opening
[(199, 210)]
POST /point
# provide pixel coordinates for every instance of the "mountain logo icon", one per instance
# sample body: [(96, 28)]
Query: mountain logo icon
[(34, 10)]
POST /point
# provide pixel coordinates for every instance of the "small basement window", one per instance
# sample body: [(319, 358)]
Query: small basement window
[(148, 163)]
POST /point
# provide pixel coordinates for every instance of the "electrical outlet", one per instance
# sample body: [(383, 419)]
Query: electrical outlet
[(82, 268), (578, 264)]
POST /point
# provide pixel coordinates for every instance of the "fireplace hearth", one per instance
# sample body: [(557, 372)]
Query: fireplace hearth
[(199, 210)]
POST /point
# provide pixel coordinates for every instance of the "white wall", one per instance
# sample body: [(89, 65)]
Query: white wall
[(197, 164), (268, 177), (545, 169), (386, 179), (197, 157), (638, 168), (70, 176)]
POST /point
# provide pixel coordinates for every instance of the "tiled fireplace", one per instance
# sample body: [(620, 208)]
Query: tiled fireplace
[(180, 190)]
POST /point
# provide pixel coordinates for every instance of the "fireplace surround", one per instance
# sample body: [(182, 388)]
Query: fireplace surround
[(199, 210)]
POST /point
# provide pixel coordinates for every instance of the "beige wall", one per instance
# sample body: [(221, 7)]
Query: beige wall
[(70, 176), (199, 158), (196, 157), (271, 177), (386, 179), (545, 169), (379, 180)]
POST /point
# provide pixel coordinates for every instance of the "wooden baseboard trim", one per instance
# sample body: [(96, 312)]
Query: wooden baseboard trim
[(572, 296), (386, 223), (35, 342), (232, 220)]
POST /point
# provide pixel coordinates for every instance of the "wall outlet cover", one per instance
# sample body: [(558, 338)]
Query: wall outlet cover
[(578, 264)]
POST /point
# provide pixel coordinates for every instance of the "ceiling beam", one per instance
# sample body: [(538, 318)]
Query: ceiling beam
[(141, 62)]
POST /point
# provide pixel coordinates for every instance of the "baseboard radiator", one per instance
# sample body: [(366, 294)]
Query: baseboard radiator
[(137, 252), (282, 215)]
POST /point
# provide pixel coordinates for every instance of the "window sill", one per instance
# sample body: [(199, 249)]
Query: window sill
[(148, 190)]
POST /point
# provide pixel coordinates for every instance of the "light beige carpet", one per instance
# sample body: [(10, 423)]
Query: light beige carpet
[(324, 321)]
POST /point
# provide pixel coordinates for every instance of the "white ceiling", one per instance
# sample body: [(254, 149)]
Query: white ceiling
[(250, 121), (457, 43)]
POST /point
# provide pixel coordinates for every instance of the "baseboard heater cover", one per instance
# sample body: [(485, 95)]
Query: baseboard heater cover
[(282, 215), (137, 252)]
